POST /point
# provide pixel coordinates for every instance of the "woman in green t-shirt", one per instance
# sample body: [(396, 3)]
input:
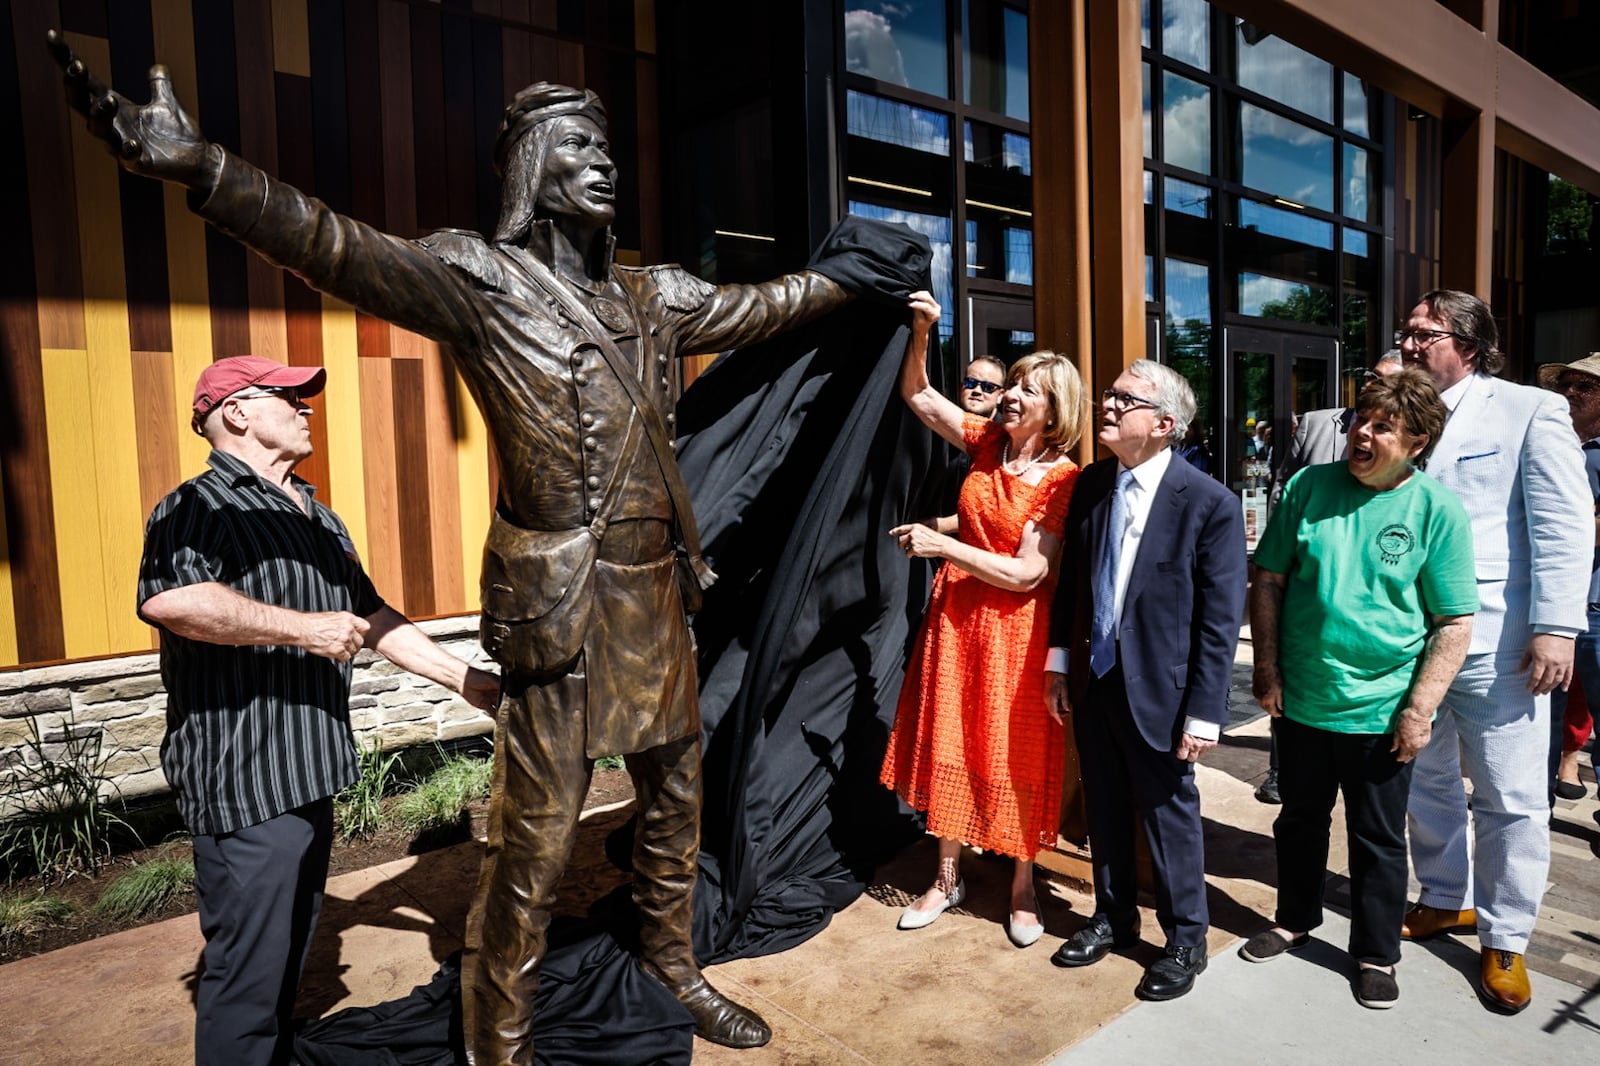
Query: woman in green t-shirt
[(1361, 613)]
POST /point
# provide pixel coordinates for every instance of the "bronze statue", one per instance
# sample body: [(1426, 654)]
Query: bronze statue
[(592, 550)]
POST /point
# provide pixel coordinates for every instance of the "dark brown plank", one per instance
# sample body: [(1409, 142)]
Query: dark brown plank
[(411, 478), (158, 427)]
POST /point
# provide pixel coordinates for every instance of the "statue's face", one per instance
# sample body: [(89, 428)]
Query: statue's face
[(577, 175)]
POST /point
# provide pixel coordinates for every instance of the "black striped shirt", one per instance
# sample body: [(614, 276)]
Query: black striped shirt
[(255, 731)]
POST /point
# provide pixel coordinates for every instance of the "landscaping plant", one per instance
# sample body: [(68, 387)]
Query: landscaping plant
[(146, 888), (359, 808), (57, 822)]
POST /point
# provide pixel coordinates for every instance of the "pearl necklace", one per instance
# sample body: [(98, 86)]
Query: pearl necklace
[(1005, 459)]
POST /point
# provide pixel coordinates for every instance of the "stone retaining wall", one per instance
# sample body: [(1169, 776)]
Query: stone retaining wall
[(122, 701)]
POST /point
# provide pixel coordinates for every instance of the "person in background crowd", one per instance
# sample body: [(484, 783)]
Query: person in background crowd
[(971, 744), (982, 387), (1371, 546), (1571, 724), (1509, 453)]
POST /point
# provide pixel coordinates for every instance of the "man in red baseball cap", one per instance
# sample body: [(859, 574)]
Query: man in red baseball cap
[(262, 605), (230, 376)]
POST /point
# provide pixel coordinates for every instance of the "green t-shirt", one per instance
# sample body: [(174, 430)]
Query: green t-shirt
[(1365, 572)]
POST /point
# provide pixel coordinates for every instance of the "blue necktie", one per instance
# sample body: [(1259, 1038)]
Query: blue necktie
[(1102, 639)]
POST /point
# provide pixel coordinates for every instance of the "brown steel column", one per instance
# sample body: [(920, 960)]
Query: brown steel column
[(1116, 169), (1466, 222)]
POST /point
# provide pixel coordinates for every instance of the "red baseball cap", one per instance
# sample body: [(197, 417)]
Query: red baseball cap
[(227, 376)]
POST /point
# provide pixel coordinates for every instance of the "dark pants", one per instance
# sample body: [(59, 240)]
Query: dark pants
[(1317, 766), (541, 775), (1124, 778), (260, 891)]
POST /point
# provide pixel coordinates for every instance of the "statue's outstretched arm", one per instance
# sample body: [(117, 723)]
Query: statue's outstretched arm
[(157, 139)]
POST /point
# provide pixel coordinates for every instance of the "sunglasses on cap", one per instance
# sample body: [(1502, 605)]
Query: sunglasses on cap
[(976, 383)]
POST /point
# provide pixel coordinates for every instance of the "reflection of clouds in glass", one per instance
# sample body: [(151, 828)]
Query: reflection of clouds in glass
[(1018, 152), (896, 123), (1186, 32), (1292, 76), (1186, 125), (1355, 182), (1188, 292), (1286, 158), (1259, 123), (937, 229), (1355, 106), (1258, 290), (869, 46)]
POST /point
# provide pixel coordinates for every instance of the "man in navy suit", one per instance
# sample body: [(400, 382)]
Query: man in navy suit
[(1143, 632)]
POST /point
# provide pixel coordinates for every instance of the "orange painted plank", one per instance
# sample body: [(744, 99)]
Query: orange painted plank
[(158, 436), (383, 559)]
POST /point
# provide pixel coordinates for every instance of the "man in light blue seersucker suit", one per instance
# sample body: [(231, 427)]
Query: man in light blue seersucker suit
[(1508, 451)]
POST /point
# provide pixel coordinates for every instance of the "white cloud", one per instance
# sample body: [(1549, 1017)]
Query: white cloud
[(1187, 126), (869, 47)]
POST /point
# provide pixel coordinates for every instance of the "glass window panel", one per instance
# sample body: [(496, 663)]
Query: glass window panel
[(1144, 70), (1187, 198), (1290, 225), (1358, 185), (995, 67), (1149, 278), (892, 122), (1187, 327), (1355, 242), (1185, 31), (937, 229), (1292, 301), (1284, 158), (1357, 113), (1019, 255), (1149, 188), (902, 43), (1016, 151), (1358, 337), (1144, 23), (1186, 123), (1279, 71), (998, 149)]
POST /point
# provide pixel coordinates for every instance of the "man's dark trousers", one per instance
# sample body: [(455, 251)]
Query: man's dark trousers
[(260, 892), (1123, 776)]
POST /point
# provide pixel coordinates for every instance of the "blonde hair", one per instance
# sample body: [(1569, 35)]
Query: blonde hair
[(1063, 388)]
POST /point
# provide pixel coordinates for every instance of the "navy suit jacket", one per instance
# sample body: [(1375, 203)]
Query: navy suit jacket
[(1183, 607)]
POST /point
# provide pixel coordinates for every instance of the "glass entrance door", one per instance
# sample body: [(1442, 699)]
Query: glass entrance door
[(1001, 326), (1273, 378)]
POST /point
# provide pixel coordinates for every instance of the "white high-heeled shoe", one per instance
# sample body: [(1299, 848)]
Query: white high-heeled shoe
[(915, 919)]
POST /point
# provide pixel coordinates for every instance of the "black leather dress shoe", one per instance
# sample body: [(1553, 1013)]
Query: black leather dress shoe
[(1092, 943), (1173, 975)]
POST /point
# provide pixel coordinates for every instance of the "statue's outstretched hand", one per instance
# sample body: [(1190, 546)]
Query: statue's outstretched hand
[(156, 139)]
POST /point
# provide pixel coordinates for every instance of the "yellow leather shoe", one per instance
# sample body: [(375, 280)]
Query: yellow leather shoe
[(1504, 987), (1422, 922)]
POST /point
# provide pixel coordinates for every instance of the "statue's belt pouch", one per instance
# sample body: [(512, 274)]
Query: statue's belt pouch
[(538, 596)]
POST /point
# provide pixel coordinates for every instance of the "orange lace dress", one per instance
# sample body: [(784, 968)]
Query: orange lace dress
[(972, 744)]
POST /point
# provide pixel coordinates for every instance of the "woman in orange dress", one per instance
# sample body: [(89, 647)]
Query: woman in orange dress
[(973, 745)]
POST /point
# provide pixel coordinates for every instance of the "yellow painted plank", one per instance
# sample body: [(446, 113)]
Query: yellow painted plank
[(472, 461), (341, 413), (189, 291), (110, 427), (8, 609), (75, 492), (291, 38)]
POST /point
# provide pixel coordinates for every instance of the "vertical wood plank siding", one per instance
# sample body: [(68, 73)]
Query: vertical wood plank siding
[(115, 296)]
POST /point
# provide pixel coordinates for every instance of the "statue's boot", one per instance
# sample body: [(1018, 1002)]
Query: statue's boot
[(666, 854)]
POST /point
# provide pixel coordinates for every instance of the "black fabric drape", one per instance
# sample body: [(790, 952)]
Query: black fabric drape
[(800, 457), (594, 1007)]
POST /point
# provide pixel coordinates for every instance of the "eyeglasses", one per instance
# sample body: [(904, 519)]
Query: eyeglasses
[(976, 383), (1582, 385), (1422, 338), (282, 392), (1127, 401)]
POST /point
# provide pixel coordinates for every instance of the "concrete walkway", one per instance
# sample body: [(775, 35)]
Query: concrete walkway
[(954, 993)]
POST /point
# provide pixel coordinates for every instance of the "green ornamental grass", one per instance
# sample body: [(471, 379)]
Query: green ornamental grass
[(146, 888), (23, 914), (440, 800)]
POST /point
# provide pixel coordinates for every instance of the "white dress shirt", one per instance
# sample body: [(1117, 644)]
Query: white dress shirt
[(1138, 498)]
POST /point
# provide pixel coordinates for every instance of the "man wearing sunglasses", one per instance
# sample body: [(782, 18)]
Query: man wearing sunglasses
[(982, 386), (1509, 452), (262, 604)]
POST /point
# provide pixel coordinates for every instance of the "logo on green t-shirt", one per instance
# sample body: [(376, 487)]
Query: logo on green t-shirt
[(1394, 541)]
